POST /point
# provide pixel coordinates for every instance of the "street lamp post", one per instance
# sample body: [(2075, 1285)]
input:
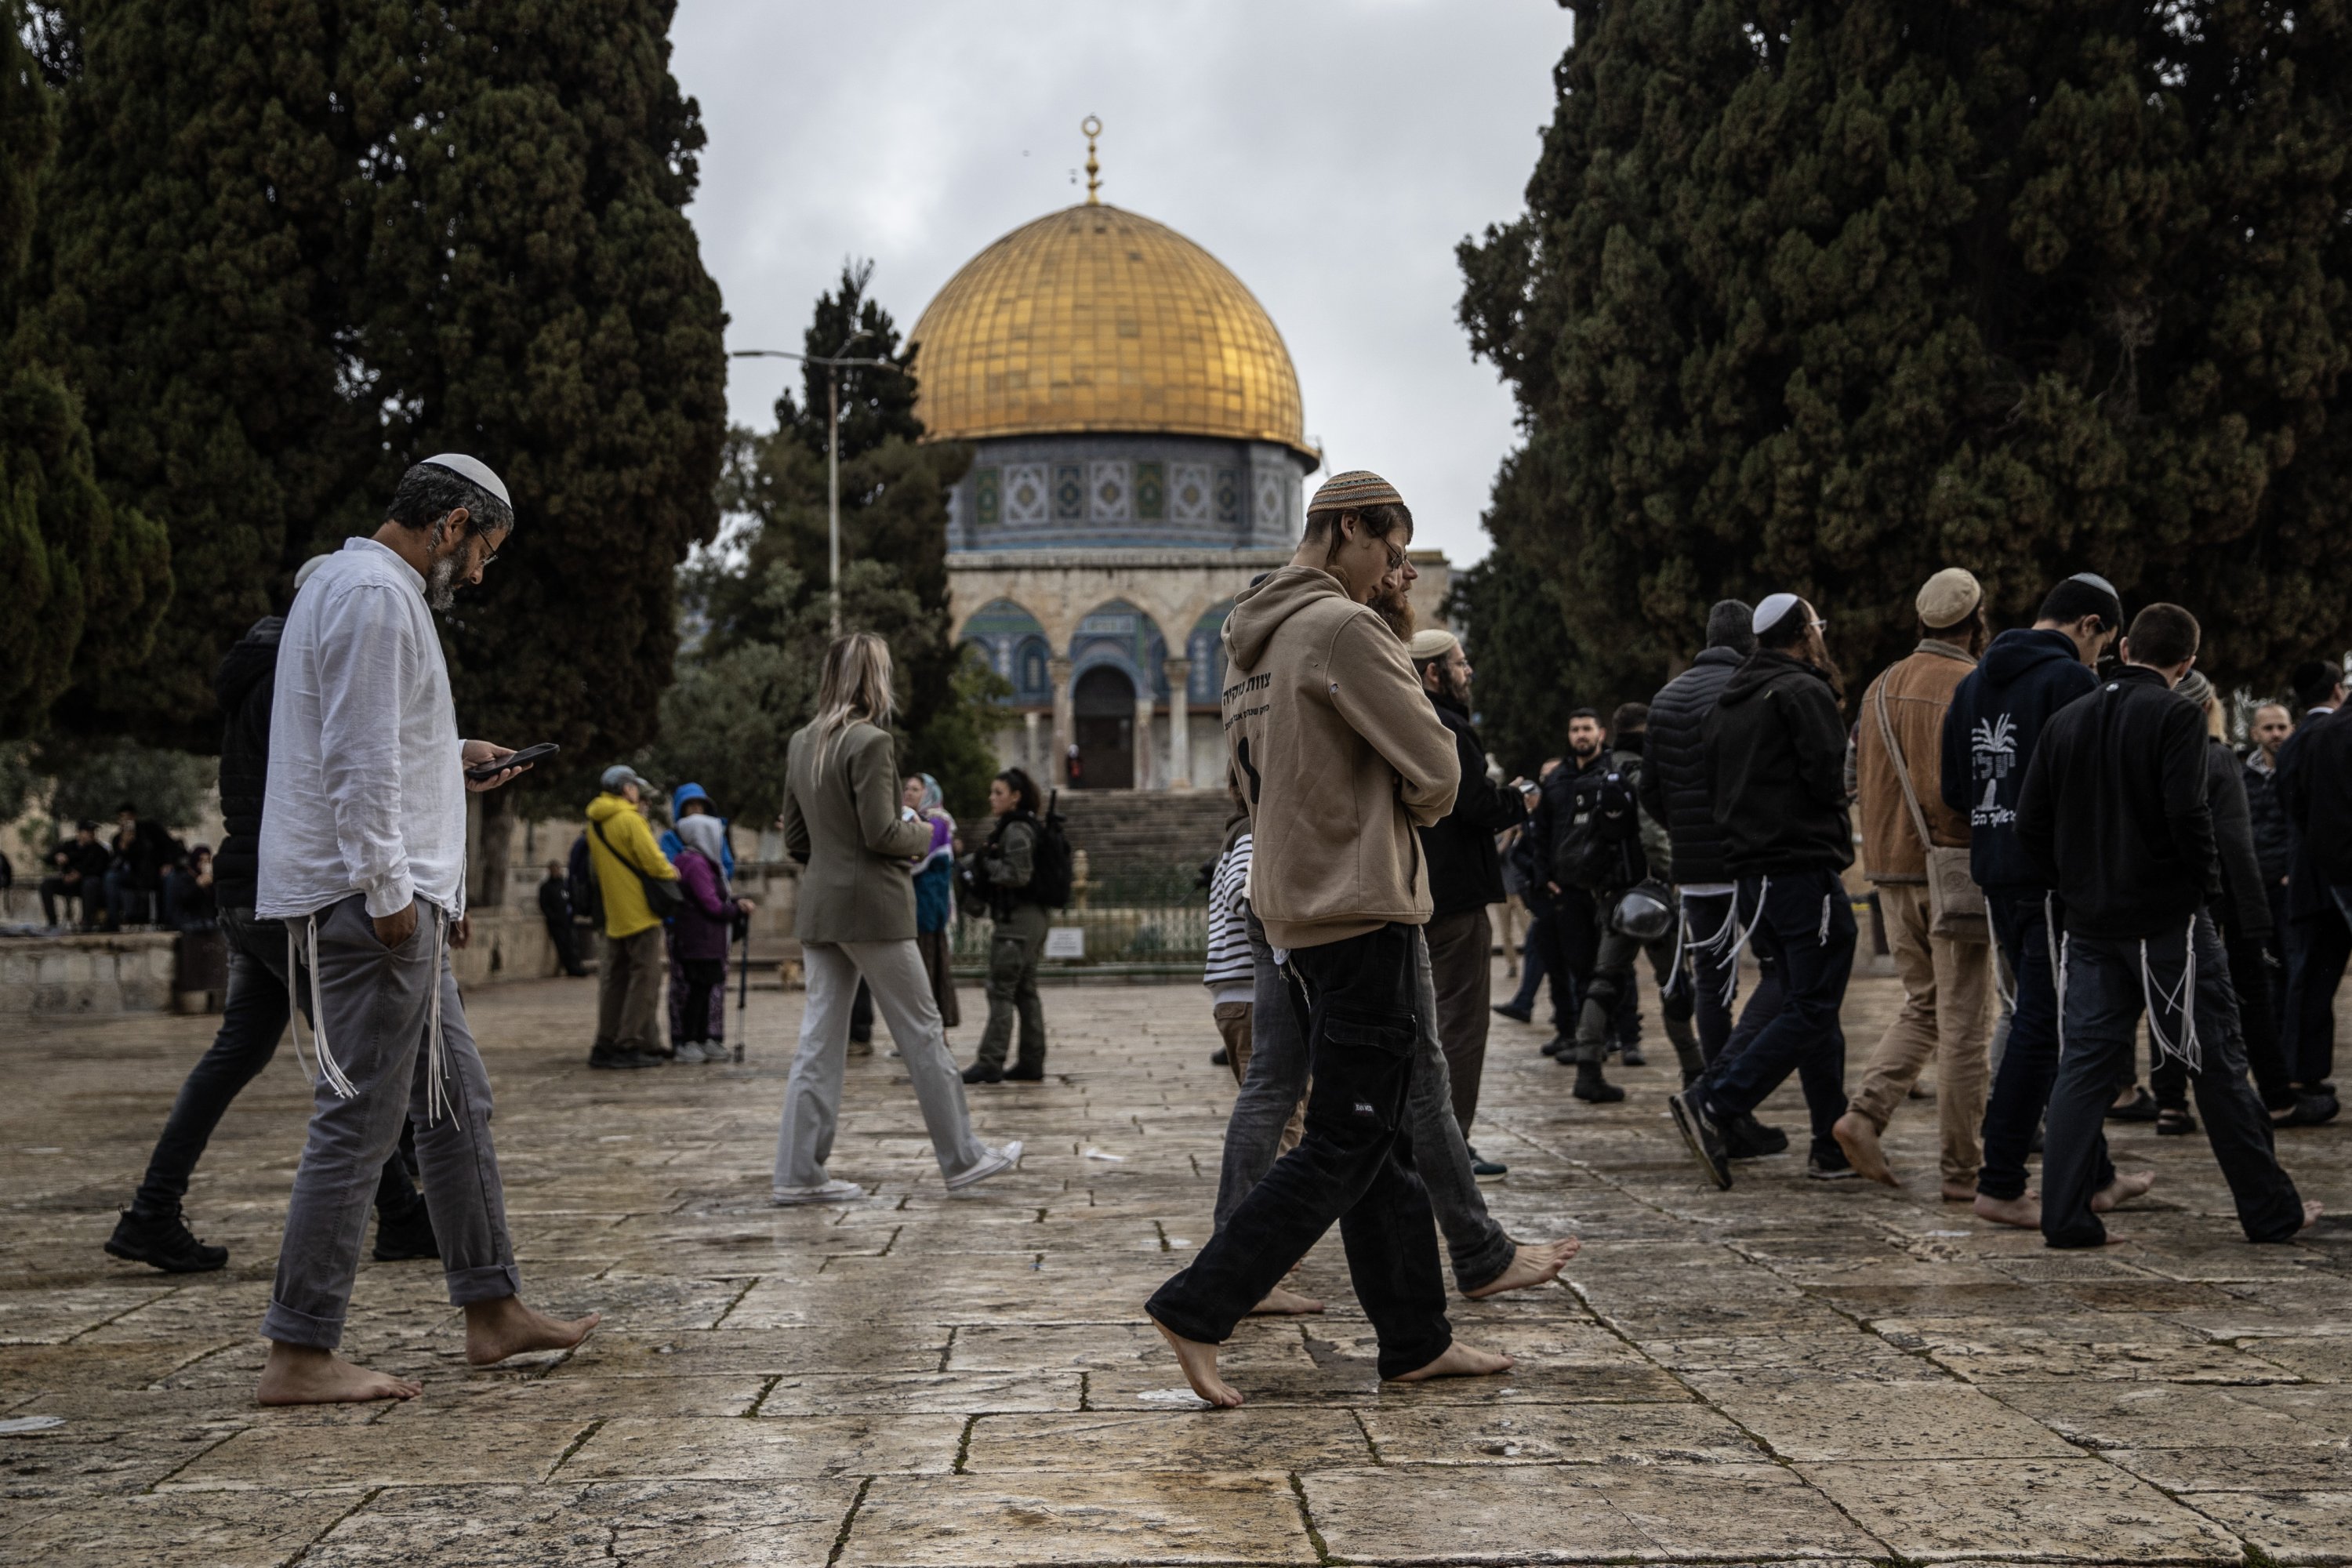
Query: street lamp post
[(834, 364)]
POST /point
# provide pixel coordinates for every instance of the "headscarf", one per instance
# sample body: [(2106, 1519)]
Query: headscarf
[(706, 834), (942, 825), (931, 795)]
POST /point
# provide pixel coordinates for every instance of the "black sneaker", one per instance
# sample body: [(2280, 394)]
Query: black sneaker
[(1025, 1075), (1483, 1168), (399, 1239), (1516, 1014), (1699, 1132), (1220, 1058), (1557, 1043), (980, 1072), (1633, 1056), (618, 1061), (163, 1243), (1830, 1165), (1745, 1138)]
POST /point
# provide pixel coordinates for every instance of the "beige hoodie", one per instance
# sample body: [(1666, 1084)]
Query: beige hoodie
[(1341, 757)]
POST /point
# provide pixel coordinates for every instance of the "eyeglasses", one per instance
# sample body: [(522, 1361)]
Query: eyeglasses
[(1821, 626)]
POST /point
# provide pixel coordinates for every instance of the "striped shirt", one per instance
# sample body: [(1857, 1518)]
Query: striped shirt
[(1231, 976)]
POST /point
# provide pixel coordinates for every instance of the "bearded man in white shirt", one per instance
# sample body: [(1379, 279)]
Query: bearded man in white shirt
[(362, 857)]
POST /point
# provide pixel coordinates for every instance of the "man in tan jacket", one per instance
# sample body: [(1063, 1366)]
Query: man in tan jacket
[(1945, 979), (1340, 758)]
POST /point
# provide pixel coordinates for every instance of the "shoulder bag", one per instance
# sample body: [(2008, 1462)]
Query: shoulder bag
[(664, 897), (1955, 905)]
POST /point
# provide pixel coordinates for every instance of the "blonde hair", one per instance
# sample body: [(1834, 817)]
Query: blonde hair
[(855, 684)]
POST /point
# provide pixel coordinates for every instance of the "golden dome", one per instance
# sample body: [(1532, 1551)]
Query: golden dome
[(1096, 319)]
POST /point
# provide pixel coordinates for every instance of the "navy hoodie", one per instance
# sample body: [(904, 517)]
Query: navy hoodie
[(1996, 714)]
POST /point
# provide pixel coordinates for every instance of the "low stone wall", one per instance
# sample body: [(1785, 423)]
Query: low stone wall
[(94, 974)]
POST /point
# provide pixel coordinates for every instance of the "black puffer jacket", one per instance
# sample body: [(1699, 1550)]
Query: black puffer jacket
[(1776, 754), (245, 686), (1675, 787), (2266, 813)]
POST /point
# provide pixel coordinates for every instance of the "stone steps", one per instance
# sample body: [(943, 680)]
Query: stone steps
[(1129, 832)]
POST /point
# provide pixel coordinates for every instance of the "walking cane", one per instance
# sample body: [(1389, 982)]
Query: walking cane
[(743, 987)]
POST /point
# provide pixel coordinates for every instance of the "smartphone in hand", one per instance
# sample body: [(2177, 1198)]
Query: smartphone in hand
[(496, 765)]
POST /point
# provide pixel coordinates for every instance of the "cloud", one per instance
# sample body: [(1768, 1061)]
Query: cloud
[(1331, 155)]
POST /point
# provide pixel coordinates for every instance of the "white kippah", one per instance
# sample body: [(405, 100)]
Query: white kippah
[(1771, 612), (1436, 642), (473, 469)]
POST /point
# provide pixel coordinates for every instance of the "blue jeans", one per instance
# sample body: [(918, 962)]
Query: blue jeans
[(2106, 993), (2029, 1061), (1353, 1166), (1804, 928)]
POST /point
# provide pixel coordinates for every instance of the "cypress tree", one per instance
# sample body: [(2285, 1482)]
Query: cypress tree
[(86, 578), (892, 511), (1826, 296), (535, 296), (193, 240)]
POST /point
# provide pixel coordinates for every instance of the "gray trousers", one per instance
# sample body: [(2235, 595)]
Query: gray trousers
[(374, 1008), (901, 989), (1479, 1248)]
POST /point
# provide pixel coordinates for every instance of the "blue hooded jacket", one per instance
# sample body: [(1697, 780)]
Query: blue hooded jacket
[(671, 843), (1996, 716)]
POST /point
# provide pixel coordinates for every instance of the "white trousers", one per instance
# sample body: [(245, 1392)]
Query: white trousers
[(894, 972)]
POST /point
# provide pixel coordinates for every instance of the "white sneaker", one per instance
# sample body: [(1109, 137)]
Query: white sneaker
[(688, 1052), (996, 1161), (826, 1193)]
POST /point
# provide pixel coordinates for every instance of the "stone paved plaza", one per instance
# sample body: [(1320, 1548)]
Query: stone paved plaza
[(1790, 1370)]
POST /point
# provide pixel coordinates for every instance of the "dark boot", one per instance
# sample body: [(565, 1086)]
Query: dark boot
[(1593, 1089), (1745, 1138), (164, 1242), (405, 1235), (980, 1072)]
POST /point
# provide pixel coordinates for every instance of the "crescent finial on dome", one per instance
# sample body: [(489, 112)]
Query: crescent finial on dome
[(1093, 127)]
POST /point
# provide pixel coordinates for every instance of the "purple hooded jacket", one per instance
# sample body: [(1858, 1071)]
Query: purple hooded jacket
[(708, 917)]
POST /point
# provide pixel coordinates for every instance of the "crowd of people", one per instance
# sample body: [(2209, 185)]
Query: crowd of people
[(142, 878), (2059, 842)]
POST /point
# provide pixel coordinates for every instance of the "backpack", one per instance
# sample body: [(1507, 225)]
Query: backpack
[(580, 878), (1602, 849), (1052, 867)]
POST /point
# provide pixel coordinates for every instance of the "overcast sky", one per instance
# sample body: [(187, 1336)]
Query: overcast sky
[(1331, 153)]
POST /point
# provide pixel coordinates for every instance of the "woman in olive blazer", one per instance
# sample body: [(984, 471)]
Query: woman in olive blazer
[(842, 821)]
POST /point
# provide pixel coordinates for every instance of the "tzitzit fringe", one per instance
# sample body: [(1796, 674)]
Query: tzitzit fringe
[(2183, 999), (329, 1071)]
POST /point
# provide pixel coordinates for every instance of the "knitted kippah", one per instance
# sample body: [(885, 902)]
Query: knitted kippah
[(1355, 488), (1434, 643), (2196, 687)]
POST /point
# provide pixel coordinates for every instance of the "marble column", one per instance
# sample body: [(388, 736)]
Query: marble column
[(1180, 723), (1029, 759), (1143, 747), (1057, 673)]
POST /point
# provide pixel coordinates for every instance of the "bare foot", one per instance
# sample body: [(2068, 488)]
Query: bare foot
[(1859, 1139), (503, 1328), (1200, 1364), (2122, 1190), (1285, 1303), (1460, 1361), (298, 1375), (1960, 1192), (1534, 1263), (2023, 1213), (2310, 1214)]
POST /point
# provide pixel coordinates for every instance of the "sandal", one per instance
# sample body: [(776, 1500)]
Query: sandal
[(2141, 1107), (2172, 1123)]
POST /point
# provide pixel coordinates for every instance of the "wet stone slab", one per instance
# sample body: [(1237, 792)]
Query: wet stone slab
[(1791, 1371)]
